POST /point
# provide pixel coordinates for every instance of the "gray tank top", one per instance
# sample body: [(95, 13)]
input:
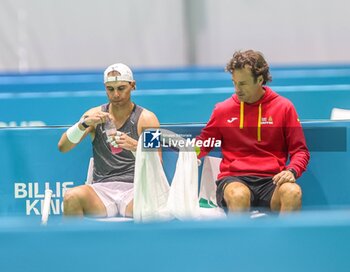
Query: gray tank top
[(120, 166)]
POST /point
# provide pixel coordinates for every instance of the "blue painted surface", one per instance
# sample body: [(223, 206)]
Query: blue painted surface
[(175, 95), (171, 106), (313, 240), (309, 241), (316, 239), (170, 78), (30, 159)]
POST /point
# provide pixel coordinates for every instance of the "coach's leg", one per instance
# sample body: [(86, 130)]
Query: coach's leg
[(237, 197), (286, 198), (83, 200)]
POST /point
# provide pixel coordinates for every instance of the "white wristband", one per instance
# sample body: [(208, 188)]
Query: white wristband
[(74, 133)]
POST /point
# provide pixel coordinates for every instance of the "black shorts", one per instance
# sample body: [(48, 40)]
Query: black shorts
[(261, 190)]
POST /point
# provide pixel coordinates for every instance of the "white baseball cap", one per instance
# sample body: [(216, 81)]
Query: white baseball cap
[(124, 71)]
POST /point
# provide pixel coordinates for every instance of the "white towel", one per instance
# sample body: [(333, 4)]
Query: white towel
[(183, 197), (151, 187), (154, 199)]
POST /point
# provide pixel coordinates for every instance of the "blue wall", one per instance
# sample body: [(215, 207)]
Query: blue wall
[(309, 241), (312, 240), (31, 162), (190, 105), (180, 78), (176, 96)]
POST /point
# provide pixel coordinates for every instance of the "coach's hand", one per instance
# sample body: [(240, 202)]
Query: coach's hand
[(283, 177)]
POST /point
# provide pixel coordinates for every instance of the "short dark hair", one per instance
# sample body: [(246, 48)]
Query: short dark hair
[(254, 59)]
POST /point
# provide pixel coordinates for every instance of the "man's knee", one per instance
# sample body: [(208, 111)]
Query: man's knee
[(72, 195), (290, 191), (237, 194), (72, 201), (290, 196)]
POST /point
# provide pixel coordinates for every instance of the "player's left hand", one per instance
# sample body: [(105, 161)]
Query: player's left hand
[(124, 141), (283, 177)]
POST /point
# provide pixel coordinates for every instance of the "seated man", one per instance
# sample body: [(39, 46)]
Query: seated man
[(259, 131), (111, 192)]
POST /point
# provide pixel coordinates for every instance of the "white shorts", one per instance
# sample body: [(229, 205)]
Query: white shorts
[(115, 196)]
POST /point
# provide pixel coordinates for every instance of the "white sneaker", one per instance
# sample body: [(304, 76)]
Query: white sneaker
[(257, 214)]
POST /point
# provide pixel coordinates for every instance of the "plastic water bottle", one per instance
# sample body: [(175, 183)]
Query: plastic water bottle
[(111, 131)]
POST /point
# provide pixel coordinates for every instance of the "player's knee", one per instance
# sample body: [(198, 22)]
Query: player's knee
[(236, 193), (71, 197), (290, 191)]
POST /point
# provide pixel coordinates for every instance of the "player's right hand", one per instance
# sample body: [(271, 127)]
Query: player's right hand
[(97, 118)]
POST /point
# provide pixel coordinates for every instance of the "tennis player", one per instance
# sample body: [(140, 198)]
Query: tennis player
[(114, 129)]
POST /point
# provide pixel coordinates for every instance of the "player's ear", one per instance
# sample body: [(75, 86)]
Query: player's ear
[(260, 80), (133, 85)]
